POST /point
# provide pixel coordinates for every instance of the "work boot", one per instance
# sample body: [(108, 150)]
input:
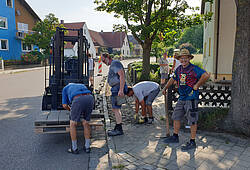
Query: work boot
[(189, 145), (142, 120), (116, 131), (172, 139)]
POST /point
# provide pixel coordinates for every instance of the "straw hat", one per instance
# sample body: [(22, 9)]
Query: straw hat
[(184, 52)]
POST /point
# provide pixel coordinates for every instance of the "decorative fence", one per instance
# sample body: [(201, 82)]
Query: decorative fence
[(212, 95)]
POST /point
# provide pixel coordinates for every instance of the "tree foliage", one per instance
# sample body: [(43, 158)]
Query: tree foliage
[(147, 19), (194, 36), (43, 31)]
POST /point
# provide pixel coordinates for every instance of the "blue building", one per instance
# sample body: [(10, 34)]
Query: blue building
[(16, 19)]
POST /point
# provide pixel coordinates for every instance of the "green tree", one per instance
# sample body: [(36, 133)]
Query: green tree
[(146, 19), (43, 31), (194, 36)]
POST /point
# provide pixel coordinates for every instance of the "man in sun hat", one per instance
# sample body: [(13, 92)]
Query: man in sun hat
[(189, 78)]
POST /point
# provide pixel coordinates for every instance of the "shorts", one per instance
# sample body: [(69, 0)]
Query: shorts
[(82, 107), (164, 75), (151, 97), (114, 90), (189, 108), (91, 73)]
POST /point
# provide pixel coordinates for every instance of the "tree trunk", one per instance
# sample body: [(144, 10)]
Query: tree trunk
[(239, 114), (146, 60)]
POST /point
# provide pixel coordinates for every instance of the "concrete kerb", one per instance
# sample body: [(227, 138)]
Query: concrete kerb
[(20, 70), (113, 157)]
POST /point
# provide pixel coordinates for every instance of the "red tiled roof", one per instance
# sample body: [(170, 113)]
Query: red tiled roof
[(97, 38), (108, 39), (27, 6), (75, 25)]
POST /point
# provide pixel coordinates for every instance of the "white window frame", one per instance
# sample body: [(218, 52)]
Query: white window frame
[(22, 27), (4, 18), (26, 50), (11, 4), (7, 44)]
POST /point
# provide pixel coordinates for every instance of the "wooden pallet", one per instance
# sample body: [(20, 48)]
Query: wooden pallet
[(57, 121)]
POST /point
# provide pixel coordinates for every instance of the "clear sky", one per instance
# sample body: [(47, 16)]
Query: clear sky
[(81, 11)]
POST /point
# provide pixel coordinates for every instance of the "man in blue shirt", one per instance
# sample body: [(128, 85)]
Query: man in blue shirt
[(189, 78), (116, 79), (77, 99)]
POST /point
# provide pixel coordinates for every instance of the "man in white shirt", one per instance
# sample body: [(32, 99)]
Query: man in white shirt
[(145, 92), (91, 70), (164, 66), (176, 62)]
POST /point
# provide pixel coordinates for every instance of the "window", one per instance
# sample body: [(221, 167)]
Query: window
[(3, 44), (22, 27), (9, 3), (3, 22), (26, 47)]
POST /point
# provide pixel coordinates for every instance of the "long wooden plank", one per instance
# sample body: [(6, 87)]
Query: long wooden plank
[(41, 117), (65, 128), (53, 117), (64, 117)]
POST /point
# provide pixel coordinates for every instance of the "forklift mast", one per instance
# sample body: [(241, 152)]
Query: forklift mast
[(63, 71)]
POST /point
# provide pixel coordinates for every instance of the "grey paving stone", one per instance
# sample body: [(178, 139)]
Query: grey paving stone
[(131, 167), (242, 163), (148, 167), (238, 148), (187, 168), (195, 162), (173, 166), (239, 168), (228, 162), (245, 157), (224, 148), (205, 166)]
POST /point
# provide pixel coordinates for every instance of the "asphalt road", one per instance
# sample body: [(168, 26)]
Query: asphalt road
[(20, 147)]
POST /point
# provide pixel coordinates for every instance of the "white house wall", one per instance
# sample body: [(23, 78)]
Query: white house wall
[(226, 39), (92, 49), (226, 36), (69, 52), (125, 47), (209, 40)]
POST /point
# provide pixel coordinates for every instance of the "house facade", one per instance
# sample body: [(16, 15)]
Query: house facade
[(137, 48), (71, 49), (219, 39), (16, 19), (112, 42)]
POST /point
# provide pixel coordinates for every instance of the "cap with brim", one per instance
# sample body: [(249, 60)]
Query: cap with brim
[(184, 52)]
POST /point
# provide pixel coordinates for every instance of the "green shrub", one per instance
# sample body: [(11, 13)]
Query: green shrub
[(154, 77), (198, 63), (154, 67), (210, 118)]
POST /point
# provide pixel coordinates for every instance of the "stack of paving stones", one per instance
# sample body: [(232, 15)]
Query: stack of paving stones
[(142, 146)]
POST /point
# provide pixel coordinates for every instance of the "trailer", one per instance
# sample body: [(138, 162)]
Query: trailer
[(61, 71)]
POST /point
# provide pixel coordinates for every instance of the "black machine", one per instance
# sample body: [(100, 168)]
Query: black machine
[(61, 71), (65, 70)]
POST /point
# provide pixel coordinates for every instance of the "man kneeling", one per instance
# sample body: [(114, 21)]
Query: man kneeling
[(145, 92), (82, 103)]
